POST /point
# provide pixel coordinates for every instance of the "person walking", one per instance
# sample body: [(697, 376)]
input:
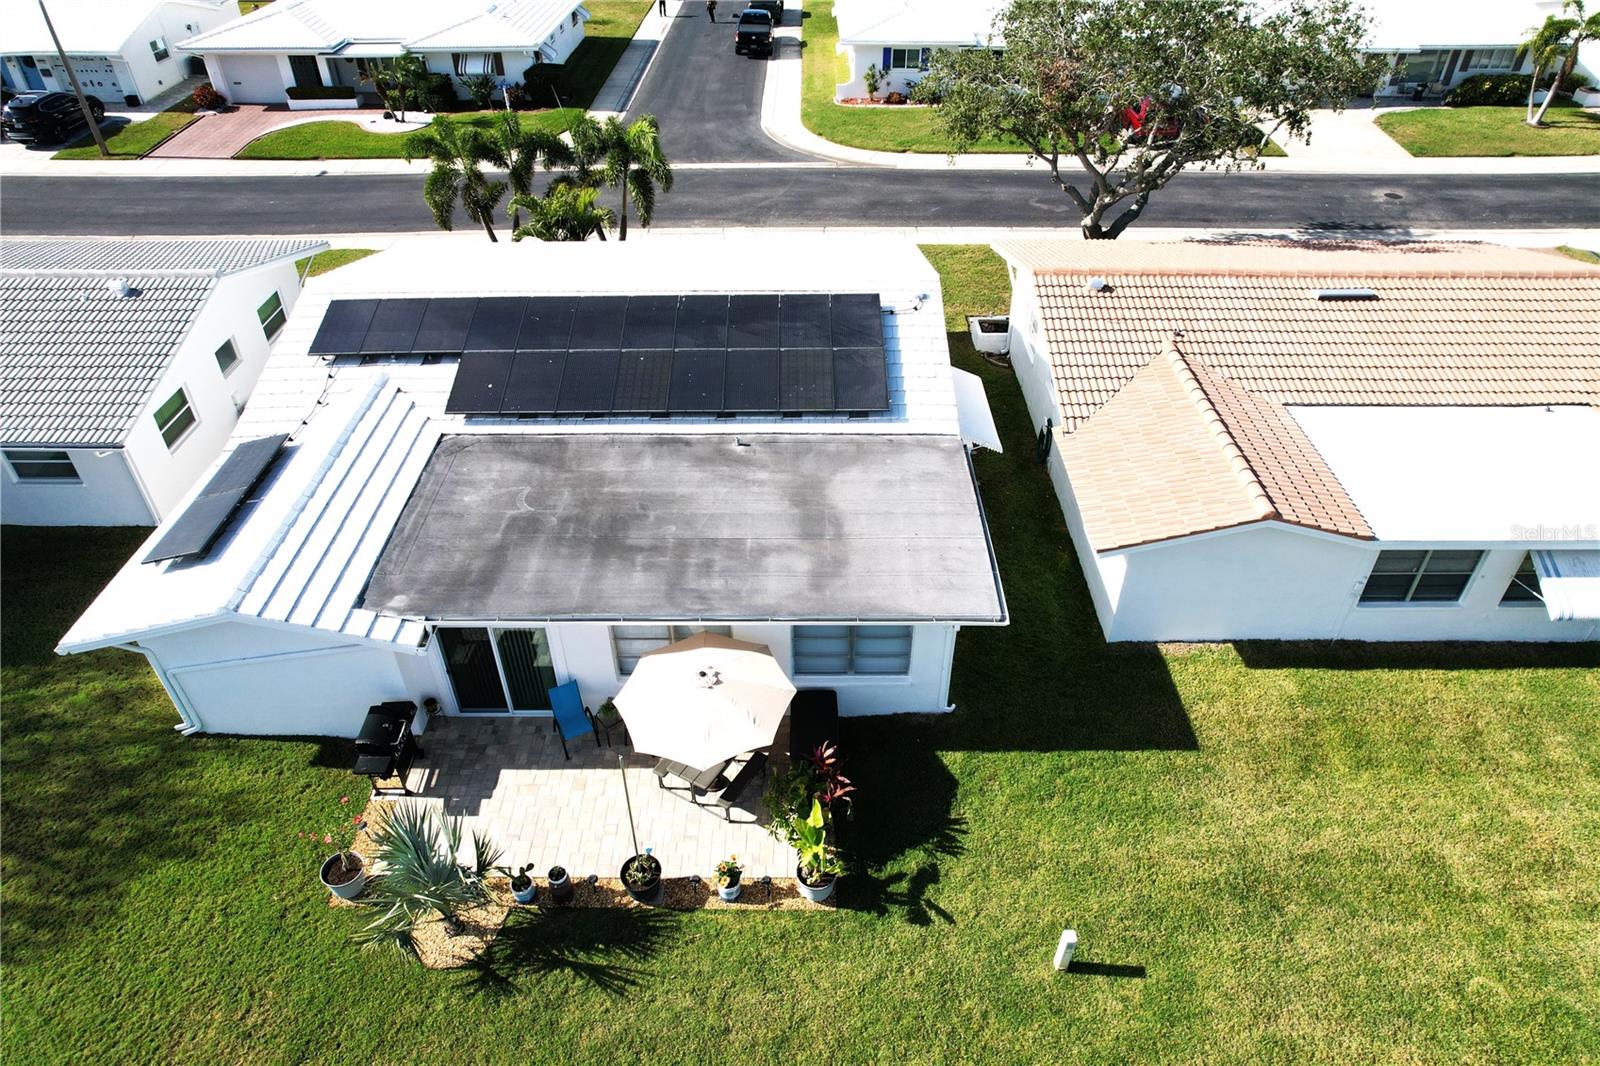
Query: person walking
[(711, 10), (661, 5)]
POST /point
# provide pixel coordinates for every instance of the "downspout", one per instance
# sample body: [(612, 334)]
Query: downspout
[(191, 723)]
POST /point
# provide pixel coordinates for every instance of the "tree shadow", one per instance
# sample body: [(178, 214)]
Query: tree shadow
[(1374, 655), (1330, 237), (602, 946), (1105, 969)]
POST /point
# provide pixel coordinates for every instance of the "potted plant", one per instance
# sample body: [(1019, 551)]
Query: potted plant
[(641, 876), (560, 884), (819, 866), (727, 875), (343, 872), (522, 886)]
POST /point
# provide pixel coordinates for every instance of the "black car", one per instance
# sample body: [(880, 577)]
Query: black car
[(46, 117), (771, 7), (754, 34)]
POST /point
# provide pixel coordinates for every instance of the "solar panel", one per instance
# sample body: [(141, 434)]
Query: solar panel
[(753, 322), (806, 379), (702, 322), (202, 522), (644, 380), (394, 327), (751, 381), (860, 379), (480, 384), (546, 323), (857, 321), (650, 322), (344, 327), (535, 383), (589, 383), (696, 380), (444, 326), (803, 319), (495, 324), (597, 322)]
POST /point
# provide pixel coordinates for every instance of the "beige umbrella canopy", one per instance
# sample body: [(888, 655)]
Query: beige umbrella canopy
[(705, 699)]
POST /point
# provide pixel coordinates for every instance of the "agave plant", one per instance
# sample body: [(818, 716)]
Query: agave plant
[(417, 850)]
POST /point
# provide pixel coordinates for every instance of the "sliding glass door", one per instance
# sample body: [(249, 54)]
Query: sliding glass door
[(496, 670)]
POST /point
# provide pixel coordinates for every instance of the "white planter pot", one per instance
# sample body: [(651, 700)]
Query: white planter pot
[(1587, 97), (815, 895), (731, 892), (526, 895), (350, 889), (996, 343), (341, 104)]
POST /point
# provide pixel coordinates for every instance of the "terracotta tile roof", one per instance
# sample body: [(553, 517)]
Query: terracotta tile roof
[(1451, 325)]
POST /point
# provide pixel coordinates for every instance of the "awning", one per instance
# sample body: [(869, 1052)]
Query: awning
[(1569, 583), (972, 411)]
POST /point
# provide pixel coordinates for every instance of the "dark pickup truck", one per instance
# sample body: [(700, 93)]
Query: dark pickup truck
[(754, 35)]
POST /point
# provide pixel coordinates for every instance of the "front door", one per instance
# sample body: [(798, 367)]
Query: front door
[(497, 670), (307, 72)]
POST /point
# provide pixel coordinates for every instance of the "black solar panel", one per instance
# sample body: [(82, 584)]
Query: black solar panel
[(589, 383), (696, 380), (702, 322), (546, 324), (480, 384), (650, 322), (857, 321), (751, 381), (344, 327), (394, 327), (444, 326), (860, 379), (753, 322), (535, 383), (202, 522), (806, 376), (644, 380), (495, 324), (803, 321), (597, 323)]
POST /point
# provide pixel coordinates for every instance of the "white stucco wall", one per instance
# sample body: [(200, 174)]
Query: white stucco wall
[(860, 57), (105, 494)]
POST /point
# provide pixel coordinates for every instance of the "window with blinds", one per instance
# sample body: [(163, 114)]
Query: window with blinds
[(883, 651), (631, 642)]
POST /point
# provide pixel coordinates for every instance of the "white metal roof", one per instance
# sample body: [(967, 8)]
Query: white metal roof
[(86, 27), (911, 23), (1569, 583), (418, 25), (1407, 25), (1485, 475)]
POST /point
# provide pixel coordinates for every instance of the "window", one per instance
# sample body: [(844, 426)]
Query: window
[(574, 17), (881, 650), (158, 48), (174, 418), (632, 642), (1524, 587), (271, 315), (908, 59), (227, 358), (1492, 59), (469, 63), (42, 466), (1420, 576)]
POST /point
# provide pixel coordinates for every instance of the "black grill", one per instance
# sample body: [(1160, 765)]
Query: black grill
[(386, 747)]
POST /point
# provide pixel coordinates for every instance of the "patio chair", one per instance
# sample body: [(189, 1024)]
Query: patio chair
[(571, 718), (742, 781)]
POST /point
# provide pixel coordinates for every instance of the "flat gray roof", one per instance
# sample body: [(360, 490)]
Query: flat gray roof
[(824, 527)]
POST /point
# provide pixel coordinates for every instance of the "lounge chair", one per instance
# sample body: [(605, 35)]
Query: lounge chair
[(572, 719)]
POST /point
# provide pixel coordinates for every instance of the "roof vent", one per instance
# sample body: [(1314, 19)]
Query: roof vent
[(121, 288), (1346, 294), (1098, 284)]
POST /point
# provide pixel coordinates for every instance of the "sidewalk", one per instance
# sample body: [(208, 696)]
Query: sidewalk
[(634, 63)]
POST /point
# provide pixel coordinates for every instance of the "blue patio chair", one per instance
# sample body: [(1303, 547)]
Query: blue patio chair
[(572, 719)]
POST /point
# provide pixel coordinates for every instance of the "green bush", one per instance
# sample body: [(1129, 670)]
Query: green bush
[(321, 92), (1502, 90), (438, 94)]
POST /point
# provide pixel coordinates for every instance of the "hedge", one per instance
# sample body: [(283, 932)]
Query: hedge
[(1502, 90), (321, 92)]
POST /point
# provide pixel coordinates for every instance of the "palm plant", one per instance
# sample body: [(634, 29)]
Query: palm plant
[(399, 81), (416, 849), (1554, 45), (458, 152), (627, 157), (568, 212), (524, 150)]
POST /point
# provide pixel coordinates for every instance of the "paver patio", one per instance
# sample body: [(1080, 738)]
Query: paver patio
[(508, 778), (221, 136)]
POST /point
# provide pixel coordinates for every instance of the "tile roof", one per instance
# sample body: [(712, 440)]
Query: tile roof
[(81, 359), (1451, 325)]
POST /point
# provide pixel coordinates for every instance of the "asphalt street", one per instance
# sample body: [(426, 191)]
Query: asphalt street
[(812, 197)]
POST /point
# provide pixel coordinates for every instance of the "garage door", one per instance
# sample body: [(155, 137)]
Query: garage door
[(253, 80), (321, 693), (99, 80)]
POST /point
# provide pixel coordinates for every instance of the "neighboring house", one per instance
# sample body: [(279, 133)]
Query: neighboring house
[(121, 50), (1266, 441), (899, 36), (125, 366), (402, 547), (327, 43), (1432, 45)]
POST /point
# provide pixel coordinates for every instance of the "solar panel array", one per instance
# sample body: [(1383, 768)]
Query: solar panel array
[(203, 521), (633, 355)]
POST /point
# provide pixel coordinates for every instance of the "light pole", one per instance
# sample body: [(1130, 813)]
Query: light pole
[(88, 115)]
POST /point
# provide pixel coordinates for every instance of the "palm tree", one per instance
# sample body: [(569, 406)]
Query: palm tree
[(398, 80), (417, 849), (628, 157), (1555, 44), (568, 212), (458, 152), (523, 150)]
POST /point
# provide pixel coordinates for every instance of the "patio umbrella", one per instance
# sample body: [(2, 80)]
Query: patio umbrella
[(704, 700)]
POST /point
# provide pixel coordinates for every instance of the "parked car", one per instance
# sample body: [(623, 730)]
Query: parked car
[(771, 7), (754, 35), (47, 117)]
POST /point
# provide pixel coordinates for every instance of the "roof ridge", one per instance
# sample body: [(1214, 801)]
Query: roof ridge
[(1199, 395)]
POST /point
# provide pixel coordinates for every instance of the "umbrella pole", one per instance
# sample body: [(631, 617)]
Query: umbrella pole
[(622, 766)]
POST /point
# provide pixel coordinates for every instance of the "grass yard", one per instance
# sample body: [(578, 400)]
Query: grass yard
[(611, 26), (340, 139), (332, 259), (1271, 853), (1493, 131), (132, 140)]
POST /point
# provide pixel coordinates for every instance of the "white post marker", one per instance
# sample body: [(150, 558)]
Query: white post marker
[(1064, 949)]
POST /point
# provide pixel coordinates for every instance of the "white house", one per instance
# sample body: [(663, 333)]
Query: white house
[(1432, 45), (314, 44), (507, 491), (121, 50), (899, 36), (126, 364), (1267, 441)]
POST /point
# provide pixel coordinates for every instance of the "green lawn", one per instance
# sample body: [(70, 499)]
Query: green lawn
[(1493, 131), (611, 26), (1271, 854), (130, 141), (1582, 255), (341, 139), (332, 259)]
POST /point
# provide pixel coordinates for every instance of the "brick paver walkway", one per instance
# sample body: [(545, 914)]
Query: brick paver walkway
[(506, 776), (221, 136)]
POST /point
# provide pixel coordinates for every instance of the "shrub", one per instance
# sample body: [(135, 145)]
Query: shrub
[(538, 84), (438, 93), (207, 97), (1501, 90), (895, 98), (320, 92), (479, 89), (517, 98)]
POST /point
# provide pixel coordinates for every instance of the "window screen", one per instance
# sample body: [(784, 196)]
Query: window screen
[(880, 650), (31, 465), (158, 48), (1420, 576), (631, 642), (1524, 587), (227, 357)]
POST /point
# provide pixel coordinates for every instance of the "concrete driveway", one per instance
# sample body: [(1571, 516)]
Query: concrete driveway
[(708, 99)]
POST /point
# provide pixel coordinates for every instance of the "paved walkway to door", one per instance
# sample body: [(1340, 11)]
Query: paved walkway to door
[(222, 136)]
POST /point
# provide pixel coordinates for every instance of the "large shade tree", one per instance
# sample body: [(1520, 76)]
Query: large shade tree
[(1116, 99), (458, 152)]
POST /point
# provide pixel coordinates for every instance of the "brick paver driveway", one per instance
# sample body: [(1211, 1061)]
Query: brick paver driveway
[(221, 136)]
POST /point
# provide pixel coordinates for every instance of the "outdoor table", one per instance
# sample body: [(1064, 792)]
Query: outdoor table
[(699, 780)]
